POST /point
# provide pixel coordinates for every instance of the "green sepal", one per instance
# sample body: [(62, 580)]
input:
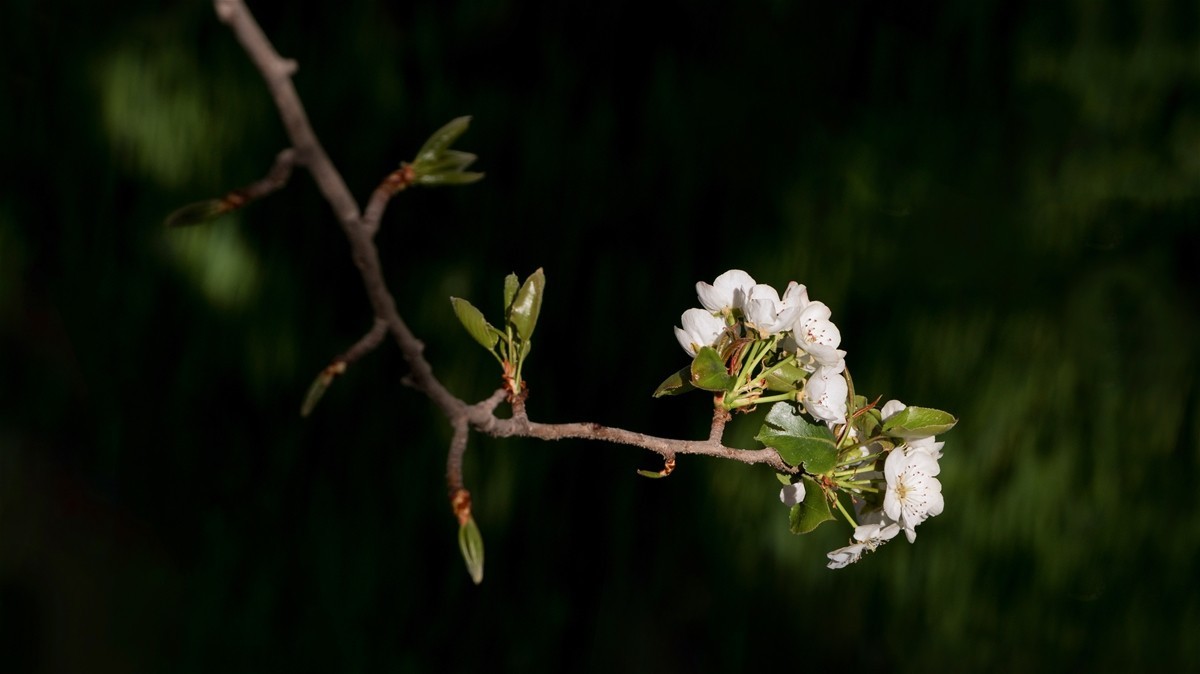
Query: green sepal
[(511, 283), (787, 377), (918, 422), (470, 542), (797, 441), (442, 139), (477, 326), (708, 371), (652, 474), (812, 511), (680, 382), (528, 304)]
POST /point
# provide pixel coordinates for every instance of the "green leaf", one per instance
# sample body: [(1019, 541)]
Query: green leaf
[(472, 319), (448, 178), (442, 139), (784, 378), (470, 542), (680, 382), (868, 422), (528, 304), (315, 391), (812, 511), (797, 441), (510, 293), (198, 213), (918, 422), (708, 371)]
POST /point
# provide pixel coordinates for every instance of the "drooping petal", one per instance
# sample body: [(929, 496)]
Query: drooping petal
[(843, 557)]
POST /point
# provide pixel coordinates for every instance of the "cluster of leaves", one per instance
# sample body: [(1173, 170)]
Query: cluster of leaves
[(510, 346)]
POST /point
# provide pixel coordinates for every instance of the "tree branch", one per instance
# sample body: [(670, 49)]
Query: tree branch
[(360, 229)]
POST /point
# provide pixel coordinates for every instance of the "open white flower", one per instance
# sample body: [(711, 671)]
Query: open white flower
[(825, 395), (792, 494), (817, 336), (843, 557), (729, 291), (913, 491), (890, 408), (767, 312), (700, 328)]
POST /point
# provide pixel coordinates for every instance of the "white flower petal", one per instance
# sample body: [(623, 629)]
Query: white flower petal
[(792, 494), (700, 328), (825, 396), (843, 557), (728, 291)]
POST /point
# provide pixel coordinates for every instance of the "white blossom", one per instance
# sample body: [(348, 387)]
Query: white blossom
[(825, 395), (767, 312), (817, 336), (700, 328), (729, 291), (792, 494), (843, 557), (913, 491)]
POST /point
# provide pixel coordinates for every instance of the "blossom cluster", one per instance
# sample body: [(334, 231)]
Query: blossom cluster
[(750, 345), (735, 308), (911, 492)]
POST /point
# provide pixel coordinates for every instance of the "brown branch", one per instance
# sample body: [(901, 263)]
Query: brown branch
[(360, 229)]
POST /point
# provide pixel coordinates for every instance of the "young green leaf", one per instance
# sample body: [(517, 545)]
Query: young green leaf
[(680, 382), (198, 213), (708, 371), (442, 139), (784, 378), (797, 441), (812, 511), (315, 391), (511, 283), (470, 542), (472, 319), (528, 304), (448, 178), (918, 422)]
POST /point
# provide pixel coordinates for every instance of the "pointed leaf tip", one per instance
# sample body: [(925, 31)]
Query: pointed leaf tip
[(528, 304)]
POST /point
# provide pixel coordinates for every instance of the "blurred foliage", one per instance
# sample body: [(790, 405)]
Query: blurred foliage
[(998, 201)]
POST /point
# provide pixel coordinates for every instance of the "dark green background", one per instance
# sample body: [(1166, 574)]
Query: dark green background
[(998, 200)]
